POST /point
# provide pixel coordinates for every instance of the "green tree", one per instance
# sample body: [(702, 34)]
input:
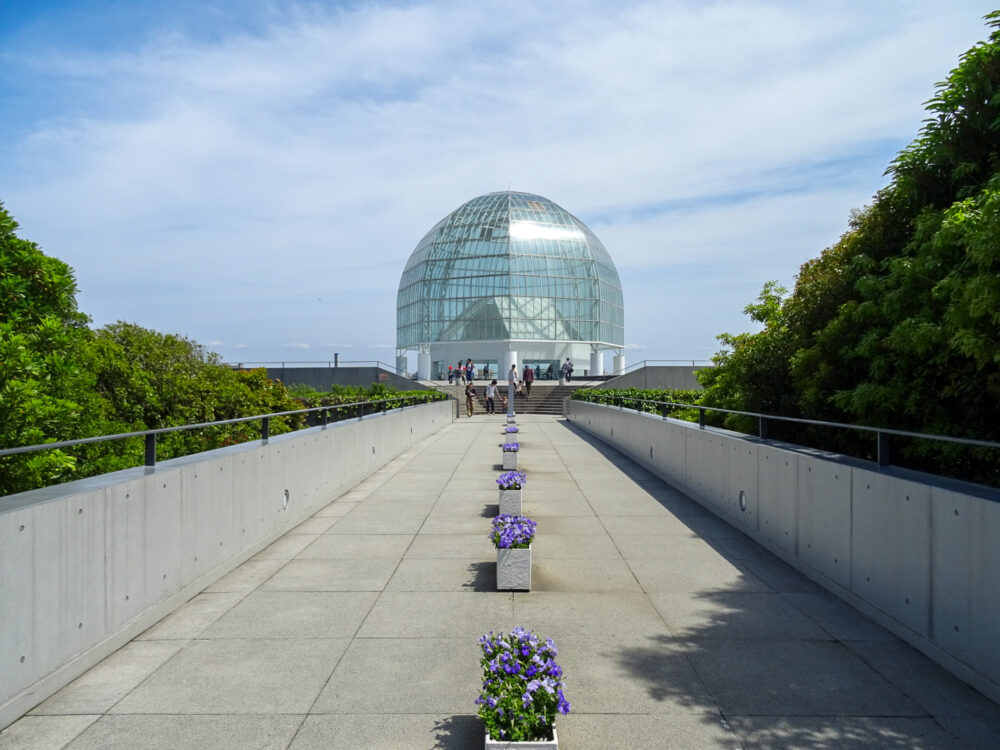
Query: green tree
[(898, 323), (45, 396)]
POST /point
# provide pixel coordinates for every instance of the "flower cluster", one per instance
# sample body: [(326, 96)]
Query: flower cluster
[(522, 686), (511, 480), (512, 532), (511, 429), (507, 447)]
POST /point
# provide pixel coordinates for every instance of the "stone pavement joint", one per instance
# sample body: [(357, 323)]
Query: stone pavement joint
[(359, 628)]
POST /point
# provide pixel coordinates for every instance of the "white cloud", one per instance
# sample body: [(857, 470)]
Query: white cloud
[(275, 181)]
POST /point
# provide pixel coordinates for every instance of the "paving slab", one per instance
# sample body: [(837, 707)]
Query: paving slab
[(294, 614), (238, 676), (794, 678), (357, 547), (44, 732), (835, 733), (439, 614), (100, 688), (155, 732), (404, 676), (390, 732), (191, 620), (332, 575)]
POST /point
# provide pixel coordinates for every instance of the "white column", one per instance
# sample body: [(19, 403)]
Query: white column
[(506, 360), (401, 365), (424, 365), (619, 364), (597, 363)]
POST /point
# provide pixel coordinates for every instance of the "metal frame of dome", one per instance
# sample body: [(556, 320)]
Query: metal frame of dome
[(512, 269)]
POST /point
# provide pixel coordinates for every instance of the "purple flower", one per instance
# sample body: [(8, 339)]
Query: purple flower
[(511, 480), (512, 532), (510, 447), (520, 703)]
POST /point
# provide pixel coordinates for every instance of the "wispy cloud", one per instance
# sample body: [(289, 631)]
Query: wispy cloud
[(269, 168)]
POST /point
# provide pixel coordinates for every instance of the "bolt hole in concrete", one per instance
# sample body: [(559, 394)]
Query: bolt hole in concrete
[(284, 500), (743, 500)]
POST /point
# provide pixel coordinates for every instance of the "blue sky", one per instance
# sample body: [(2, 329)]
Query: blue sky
[(254, 175)]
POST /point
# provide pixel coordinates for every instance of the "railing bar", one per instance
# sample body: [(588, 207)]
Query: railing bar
[(841, 425), (198, 425)]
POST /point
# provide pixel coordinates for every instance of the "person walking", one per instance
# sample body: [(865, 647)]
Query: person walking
[(567, 369), (451, 375), (470, 398), (470, 371), (512, 381), (529, 377), (491, 394), (461, 371)]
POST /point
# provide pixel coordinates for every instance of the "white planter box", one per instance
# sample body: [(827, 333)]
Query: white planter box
[(511, 419), (553, 744), (514, 569), (510, 502), (510, 460)]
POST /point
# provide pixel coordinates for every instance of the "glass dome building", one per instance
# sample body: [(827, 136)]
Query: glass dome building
[(508, 278)]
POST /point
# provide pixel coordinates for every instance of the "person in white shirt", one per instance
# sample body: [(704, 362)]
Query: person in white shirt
[(512, 381), (491, 394)]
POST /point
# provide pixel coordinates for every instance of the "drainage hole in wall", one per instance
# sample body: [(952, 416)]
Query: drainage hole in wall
[(164, 576), (80, 511), (284, 499), (79, 626), (22, 660), (22, 527), (836, 561), (907, 600), (956, 511), (373, 450), (868, 579), (126, 597), (743, 500), (956, 628)]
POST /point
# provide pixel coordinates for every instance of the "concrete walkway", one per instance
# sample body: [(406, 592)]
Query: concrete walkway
[(359, 628)]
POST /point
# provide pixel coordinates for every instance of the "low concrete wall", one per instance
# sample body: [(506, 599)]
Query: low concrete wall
[(321, 378), (88, 565), (919, 554), (656, 376)]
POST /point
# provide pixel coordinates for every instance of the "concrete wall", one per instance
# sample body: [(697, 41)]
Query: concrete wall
[(321, 378), (656, 376), (88, 565), (919, 554)]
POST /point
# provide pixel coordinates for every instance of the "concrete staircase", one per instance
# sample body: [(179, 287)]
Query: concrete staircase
[(546, 397)]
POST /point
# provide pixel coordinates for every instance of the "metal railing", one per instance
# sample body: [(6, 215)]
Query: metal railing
[(883, 435), (331, 363), (264, 419)]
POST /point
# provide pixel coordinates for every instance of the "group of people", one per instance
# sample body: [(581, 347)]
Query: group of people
[(517, 384), (465, 372)]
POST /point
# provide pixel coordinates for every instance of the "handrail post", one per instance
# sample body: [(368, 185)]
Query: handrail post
[(763, 428), (150, 449), (361, 410), (884, 449), (265, 429), (701, 417), (326, 418)]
